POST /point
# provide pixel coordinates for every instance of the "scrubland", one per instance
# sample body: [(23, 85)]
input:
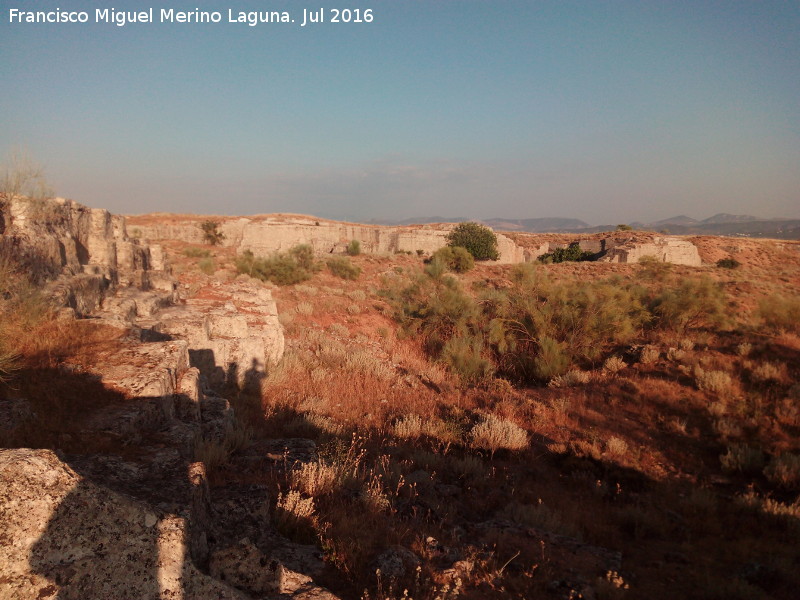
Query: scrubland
[(506, 431)]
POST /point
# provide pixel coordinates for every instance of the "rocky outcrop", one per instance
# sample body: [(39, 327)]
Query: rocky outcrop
[(85, 253), (265, 235), (665, 249), (233, 334)]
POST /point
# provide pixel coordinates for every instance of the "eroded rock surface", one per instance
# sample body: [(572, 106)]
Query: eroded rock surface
[(66, 537)]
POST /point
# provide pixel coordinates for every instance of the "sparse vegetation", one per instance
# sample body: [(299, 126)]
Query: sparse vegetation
[(207, 265), (22, 176)]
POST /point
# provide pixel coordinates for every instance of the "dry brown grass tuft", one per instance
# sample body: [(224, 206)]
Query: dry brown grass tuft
[(314, 478), (716, 382), (494, 434), (614, 364)]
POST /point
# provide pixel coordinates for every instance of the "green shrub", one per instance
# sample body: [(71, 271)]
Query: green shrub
[(342, 267), (464, 356), (354, 248), (780, 313), (211, 232), (196, 253), (624, 227), (455, 258), (288, 268), (303, 255), (728, 263), (573, 252), (207, 266), (538, 329), (551, 360), (691, 303), (479, 241)]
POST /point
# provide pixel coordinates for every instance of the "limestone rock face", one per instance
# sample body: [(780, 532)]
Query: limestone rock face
[(663, 249), (66, 537), (232, 338), (264, 236), (268, 234), (86, 250)]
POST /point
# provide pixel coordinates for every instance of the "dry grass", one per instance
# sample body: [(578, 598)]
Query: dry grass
[(494, 434), (715, 382), (571, 378), (314, 478), (614, 364), (784, 471)]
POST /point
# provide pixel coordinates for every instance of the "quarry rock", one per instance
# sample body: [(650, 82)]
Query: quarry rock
[(663, 249), (86, 250), (66, 537), (233, 336), (246, 568), (264, 235)]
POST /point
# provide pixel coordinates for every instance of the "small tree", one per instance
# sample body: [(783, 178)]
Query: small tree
[(23, 176), (354, 248), (211, 232), (479, 240)]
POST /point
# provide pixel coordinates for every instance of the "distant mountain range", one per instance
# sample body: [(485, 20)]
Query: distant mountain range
[(719, 224)]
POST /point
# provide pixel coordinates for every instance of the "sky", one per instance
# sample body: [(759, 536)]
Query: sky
[(607, 112)]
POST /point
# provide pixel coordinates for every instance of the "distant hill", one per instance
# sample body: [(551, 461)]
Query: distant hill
[(728, 218), (536, 225), (679, 220)]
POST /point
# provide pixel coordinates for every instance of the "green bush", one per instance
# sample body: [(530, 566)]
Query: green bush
[(572, 252), (207, 266), (455, 258), (479, 241), (690, 303), (196, 253), (539, 328), (303, 255), (728, 263), (287, 268), (464, 356), (354, 248), (780, 313), (342, 267), (211, 232)]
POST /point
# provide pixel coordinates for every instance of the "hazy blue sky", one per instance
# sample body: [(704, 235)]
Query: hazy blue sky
[(604, 111)]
